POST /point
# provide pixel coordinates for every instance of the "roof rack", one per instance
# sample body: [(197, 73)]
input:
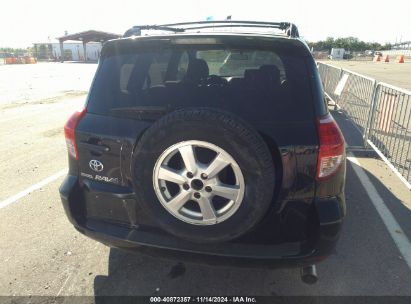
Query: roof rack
[(288, 28)]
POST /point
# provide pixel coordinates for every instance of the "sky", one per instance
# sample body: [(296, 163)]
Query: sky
[(28, 21)]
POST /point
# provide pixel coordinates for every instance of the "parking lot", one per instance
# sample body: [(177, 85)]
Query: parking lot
[(42, 254), (397, 74)]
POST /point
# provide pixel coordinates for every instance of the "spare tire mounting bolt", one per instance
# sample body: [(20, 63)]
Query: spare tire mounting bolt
[(190, 175), (208, 189), (197, 195), (186, 187), (204, 176)]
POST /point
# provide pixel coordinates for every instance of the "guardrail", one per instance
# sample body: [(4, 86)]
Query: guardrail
[(381, 113)]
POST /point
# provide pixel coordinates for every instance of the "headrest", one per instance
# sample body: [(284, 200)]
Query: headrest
[(197, 70)]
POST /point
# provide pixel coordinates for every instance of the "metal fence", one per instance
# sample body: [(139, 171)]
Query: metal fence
[(330, 77), (381, 112)]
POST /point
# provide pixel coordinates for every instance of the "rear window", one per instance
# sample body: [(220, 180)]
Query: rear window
[(258, 84)]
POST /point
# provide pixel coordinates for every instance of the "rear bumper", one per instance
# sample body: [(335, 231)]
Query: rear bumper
[(148, 239)]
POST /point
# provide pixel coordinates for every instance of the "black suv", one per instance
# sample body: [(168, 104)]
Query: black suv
[(208, 144)]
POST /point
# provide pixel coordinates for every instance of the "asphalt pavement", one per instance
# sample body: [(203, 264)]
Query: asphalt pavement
[(42, 254), (397, 74)]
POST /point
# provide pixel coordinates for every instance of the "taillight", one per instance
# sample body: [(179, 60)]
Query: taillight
[(70, 131), (332, 147)]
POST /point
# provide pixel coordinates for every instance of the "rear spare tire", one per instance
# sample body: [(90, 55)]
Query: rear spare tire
[(203, 175)]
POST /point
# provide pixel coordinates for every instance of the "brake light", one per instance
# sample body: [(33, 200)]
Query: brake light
[(69, 131), (332, 147)]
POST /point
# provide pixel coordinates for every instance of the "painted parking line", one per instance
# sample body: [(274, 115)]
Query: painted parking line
[(397, 234), (16, 197)]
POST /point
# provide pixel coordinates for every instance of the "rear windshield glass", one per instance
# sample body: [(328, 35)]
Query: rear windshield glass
[(258, 84)]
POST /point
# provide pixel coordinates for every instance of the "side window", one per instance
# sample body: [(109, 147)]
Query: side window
[(125, 73), (235, 63), (158, 69), (124, 80), (214, 59), (182, 66), (156, 63), (238, 61)]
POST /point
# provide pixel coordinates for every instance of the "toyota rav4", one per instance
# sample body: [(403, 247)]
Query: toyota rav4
[(211, 140)]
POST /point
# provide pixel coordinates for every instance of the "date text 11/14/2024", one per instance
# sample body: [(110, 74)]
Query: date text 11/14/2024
[(203, 299)]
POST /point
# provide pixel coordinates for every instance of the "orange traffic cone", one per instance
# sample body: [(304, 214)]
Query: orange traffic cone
[(377, 58), (400, 59), (386, 58)]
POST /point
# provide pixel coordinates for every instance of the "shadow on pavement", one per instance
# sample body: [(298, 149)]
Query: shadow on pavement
[(401, 212), (139, 274)]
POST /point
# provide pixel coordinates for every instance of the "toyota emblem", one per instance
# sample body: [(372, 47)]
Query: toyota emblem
[(96, 165)]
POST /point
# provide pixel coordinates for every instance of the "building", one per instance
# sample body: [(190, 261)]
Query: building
[(88, 49), (337, 54), (73, 51)]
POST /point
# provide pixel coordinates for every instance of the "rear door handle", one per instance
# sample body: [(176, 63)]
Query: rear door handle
[(95, 147)]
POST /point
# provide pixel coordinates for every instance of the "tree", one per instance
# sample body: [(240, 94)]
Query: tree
[(14, 51), (347, 43)]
